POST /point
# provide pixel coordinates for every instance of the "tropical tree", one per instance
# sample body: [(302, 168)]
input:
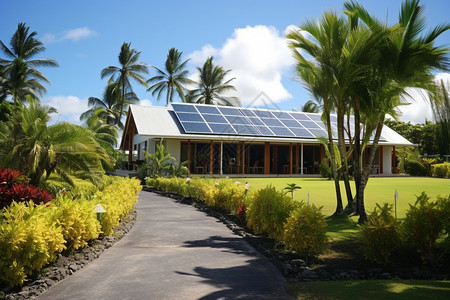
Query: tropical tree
[(441, 114), (19, 76), (160, 163), (172, 79), (27, 143), (129, 69), (212, 84), (108, 108), (405, 57), (310, 106)]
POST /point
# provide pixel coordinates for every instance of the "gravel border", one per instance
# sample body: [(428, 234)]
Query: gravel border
[(65, 266)]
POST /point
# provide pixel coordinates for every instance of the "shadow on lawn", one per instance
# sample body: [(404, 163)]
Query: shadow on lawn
[(373, 289), (256, 279)]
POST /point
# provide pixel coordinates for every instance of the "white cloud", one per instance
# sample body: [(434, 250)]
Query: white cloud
[(419, 108), (69, 108), (145, 102), (257, 56), (74, 35)]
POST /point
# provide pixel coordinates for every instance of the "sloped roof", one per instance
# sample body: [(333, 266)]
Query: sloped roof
[(161, 122)]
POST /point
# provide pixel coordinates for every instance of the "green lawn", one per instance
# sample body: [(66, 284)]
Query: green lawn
[(379, 190), (372, 289)]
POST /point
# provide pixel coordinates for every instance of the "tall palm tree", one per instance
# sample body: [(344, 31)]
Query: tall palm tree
[(212, 85), (405, 58), (129, 69), (172, 79), (441, 115), (19, 73), (108, 108)]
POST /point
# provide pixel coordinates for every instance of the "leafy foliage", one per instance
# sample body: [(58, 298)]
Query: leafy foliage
[(416, 168), (381, 234), (426, 223), (304, 230), (441, 170), (268, 211)]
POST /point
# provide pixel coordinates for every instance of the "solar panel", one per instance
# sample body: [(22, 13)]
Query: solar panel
[(263, 114), (190, 117), (300, 116), (281, 131), (238, 120), (315, 117), (265, 130), (291, 123), (195, 127), (208, 109), (282, 115), (230, 111), (310, 124), (247, 112), (246, 130), (214, 118), (256, 121), (301, 132), (183, 108), (271, 122), (222, 128), (318, 132)]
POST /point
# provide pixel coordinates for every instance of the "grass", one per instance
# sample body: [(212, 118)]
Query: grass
[(372, 289), (379, 190)]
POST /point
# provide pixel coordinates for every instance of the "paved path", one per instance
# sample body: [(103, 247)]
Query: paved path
[(174, 252)]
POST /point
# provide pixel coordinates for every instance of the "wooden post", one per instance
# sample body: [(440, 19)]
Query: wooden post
[(211, 156), (221, 158), (266, 158), (189, 156), (297, 157), (290, 158), (243, 158), (301, 161)]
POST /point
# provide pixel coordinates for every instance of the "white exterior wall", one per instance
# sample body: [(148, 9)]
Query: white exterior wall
[(174, 148), (387, 159)]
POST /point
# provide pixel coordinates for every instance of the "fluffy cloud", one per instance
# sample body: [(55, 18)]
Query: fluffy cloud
[(69, 108), (72, 34), (419, 108), (257, 56), (145, 102)]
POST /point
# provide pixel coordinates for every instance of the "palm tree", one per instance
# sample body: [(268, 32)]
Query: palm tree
[(160, 163), (20, 77), (404, 58), (129, 69), (108, 108), (310, 106), (441, 114), (27, 143), (212, 85), (173, 79)]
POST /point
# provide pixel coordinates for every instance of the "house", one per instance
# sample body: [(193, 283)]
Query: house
[(237, 140)]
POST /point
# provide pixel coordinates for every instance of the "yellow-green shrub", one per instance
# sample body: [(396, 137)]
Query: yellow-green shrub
[(441, 170), (381, 234), (304, 230), (77, 219), (268, 211), (29, 239), (118, 200)]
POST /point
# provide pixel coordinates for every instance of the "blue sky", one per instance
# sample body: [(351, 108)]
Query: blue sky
[(244, 36)]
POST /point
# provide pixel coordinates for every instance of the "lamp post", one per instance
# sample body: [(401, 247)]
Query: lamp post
[(99, 210)]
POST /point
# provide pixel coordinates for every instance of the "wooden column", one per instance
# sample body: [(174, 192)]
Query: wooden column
[(130, 150), (290, 158), (221, 158), (195, 157), (189, 155), (266, 158), (380, 153), (297, 157), (211, 156), (301, 160), (243, 158)]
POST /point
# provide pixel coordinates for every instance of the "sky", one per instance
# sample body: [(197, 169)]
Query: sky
[(246, 37)]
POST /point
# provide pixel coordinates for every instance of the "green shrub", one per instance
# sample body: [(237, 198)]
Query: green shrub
[(441, 170), (425, 224), (304, 231), (29, 239), (415, 168), (325, 169), (381, 234), (118, 200), (77, 219), (268, 211)]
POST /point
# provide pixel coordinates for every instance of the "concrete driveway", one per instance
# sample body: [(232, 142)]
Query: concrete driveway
[(174, 252)]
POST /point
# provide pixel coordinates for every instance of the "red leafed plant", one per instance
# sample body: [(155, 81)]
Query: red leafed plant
[(10, 190)]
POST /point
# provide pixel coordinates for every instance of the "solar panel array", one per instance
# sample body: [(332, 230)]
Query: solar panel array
[(225, 120)]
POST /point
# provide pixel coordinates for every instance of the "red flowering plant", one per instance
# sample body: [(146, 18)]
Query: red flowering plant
[(240, 212), (11, 190)]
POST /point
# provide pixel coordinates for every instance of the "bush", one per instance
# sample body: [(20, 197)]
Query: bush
[(118, 200), (415, 168), (304, 231), (441, 170), (426, 223), (325, 169), (381, 234), (79, 223), (268, 211), (11, 190), (29, 239)]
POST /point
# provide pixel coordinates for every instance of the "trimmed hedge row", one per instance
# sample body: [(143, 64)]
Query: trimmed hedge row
[(266, 211), (32, 235)]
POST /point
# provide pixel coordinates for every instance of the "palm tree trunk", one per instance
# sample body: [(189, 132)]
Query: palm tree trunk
[(357, 169), (339, 206)]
